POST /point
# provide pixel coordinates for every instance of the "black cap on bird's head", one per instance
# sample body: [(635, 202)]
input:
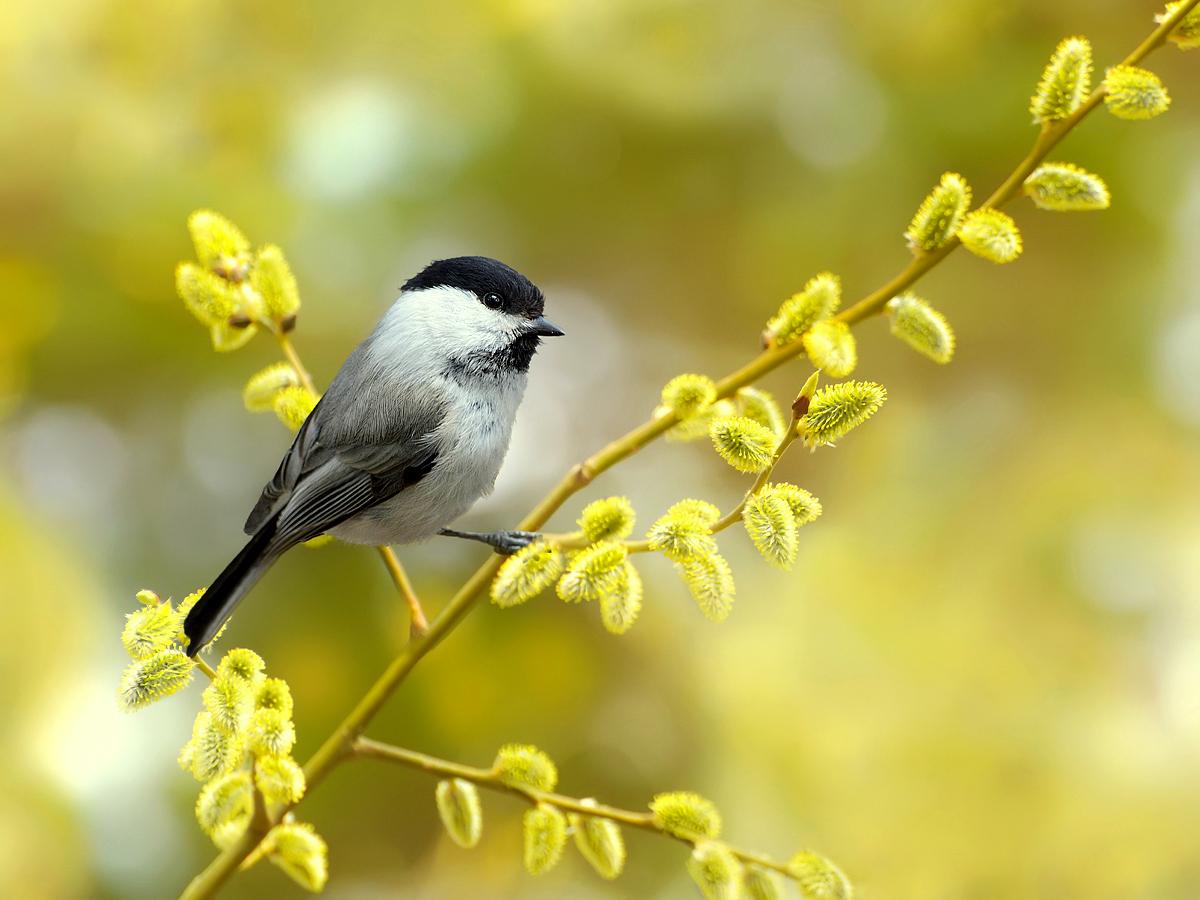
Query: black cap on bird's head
[(497, 286)]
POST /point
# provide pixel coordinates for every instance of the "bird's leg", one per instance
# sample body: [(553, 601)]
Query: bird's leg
[(505, 543), (417, 623)]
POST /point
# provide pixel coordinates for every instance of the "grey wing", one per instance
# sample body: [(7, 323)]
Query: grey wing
[(364, 442), (350, 481), (302, 457)]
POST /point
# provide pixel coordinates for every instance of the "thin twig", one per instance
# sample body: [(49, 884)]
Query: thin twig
[(366, 748), (417, 623)]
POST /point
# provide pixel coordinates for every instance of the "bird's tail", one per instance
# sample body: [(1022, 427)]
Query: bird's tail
[(205, 619)]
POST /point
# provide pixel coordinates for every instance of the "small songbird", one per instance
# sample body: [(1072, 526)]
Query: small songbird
[(410, 433)]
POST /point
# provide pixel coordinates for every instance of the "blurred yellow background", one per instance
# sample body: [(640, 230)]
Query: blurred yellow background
[(982, 681)]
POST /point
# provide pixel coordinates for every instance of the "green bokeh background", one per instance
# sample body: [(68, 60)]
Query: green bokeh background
[(983, 678)]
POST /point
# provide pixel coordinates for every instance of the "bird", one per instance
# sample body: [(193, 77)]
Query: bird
[(412, 430)]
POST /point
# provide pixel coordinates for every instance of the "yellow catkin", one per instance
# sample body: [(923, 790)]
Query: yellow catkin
[(297, 849), (922, 327), (831, 347), (991, 235), (600, 842), (460, 811), (1134, 94), (716, 871), (1065, 83), (837, 409), (620, 606), (273, 279), (743, 443), (523, 765), (940, 214), (819, 300), (545, 838), (1063, 187), (526, 574), (686, 814), (1185, 35), (818, 878)]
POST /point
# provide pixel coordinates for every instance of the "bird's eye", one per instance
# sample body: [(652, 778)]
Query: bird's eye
[(493, 300)]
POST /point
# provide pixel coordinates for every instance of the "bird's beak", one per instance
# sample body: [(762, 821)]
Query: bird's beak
[(543, 326)]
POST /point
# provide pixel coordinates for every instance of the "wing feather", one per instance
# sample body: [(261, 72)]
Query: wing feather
[(364, 442)]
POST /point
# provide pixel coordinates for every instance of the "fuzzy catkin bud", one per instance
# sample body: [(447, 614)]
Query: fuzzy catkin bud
[(819, 300), (147, 680), (293, 405), (685, 532), (593, 572), (226, 338), (273, 693), (526, 574), (599, 842), (710, 581), (264, 386), (273, 279), (716, 871), (186, 604), (241, 663), (818, 878), (940, 214), (610, 519), (149, 630), (1066, 81), (921, 327), (208, 297), (689, 395), (772, 527), (227, 800), (991, 234), (1064, 187), (227, 699), (837, 409), (270, 733), (1134, 94), (460, 811), (831, 347), (743, 443), (686, 814), (279, 778), (523, 765), (1185, 35), (805, 507), (757, 404), (761, 884), (297, 849), (218, 241), (211, 751), (545, 834), (620, 606)]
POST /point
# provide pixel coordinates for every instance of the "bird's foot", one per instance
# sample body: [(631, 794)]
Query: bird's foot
[(505, 543)]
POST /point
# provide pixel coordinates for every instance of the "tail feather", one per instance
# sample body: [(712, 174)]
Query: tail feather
[(205, 619)]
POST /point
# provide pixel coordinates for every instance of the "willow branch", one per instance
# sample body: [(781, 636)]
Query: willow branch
[(339, 745), (366, 748), (576, 540)]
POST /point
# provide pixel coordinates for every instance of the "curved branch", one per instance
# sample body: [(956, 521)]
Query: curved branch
[(367, 748)]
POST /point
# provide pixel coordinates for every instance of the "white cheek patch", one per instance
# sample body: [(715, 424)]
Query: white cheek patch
[(440, 323)]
